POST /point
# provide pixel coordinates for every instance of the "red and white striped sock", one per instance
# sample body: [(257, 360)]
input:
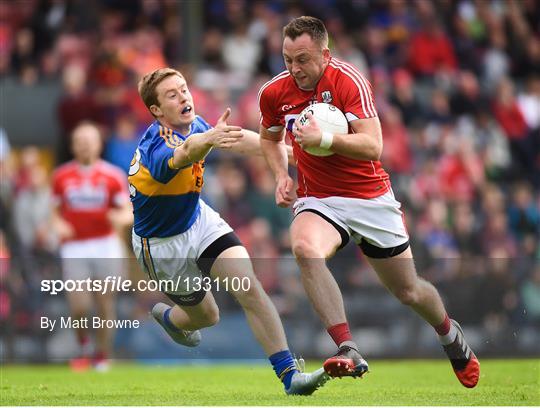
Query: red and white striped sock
[(447, 331)]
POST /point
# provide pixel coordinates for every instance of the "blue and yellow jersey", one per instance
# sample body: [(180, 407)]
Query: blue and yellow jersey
[(165, 200)]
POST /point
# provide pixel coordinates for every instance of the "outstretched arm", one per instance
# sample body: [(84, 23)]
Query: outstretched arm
[(197, 146), (251, 143)]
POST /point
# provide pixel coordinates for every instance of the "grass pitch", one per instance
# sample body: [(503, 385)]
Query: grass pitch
[(406, 382)]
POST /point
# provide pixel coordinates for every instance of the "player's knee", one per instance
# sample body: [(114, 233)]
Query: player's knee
[(80, 311), (305, 250), (407, 295)]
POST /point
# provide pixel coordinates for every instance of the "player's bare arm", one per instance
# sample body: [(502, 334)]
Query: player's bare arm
[(196, 147), (275, 153), (364, 144), (250, 145), (63, 229), (121, 217)]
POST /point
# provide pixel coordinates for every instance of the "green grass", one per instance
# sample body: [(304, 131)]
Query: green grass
[(503, 382)]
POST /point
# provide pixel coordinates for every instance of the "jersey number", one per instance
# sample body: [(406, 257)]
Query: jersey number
[(134, 168)]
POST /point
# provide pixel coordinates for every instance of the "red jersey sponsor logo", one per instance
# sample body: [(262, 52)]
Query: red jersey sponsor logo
[(84, 195)]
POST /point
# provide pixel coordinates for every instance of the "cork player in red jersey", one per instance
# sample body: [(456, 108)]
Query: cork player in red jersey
[(91, 205), (345, 195)]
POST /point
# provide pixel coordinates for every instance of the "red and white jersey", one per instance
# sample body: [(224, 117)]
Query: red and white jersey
[(84, 195), (342, 85)]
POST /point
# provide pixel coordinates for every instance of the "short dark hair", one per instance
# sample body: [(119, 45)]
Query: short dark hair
[(307, 25)]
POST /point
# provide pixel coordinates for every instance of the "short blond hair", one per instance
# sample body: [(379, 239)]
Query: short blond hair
[(148, 84)]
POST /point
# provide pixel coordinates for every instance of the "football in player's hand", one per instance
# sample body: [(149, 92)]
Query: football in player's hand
[(329, 118)]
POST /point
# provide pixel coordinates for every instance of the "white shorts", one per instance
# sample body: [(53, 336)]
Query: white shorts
[(174, 259), (374, 224), (94, 258)]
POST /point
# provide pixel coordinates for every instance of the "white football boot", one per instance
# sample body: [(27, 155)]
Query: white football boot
[(184, 337), (306, 383)]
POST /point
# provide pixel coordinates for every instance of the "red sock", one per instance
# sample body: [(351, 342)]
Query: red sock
[(340, 333), (443, 328), (83, 340)]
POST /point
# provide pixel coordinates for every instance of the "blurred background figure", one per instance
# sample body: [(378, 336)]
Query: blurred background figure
[(90, 208)]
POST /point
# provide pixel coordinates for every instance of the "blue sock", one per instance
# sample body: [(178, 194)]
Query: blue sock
[(284, 366), (167, 320)]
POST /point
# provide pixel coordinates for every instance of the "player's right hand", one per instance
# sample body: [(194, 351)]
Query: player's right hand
[(284, 191), (64, 230), (223, 136)]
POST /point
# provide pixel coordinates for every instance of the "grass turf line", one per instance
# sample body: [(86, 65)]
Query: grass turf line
[(405, 382)]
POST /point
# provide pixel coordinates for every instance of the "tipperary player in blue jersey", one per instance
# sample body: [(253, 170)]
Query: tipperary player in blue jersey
[(178, 238)]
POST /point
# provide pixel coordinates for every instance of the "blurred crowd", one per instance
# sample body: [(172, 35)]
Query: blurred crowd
[(456, 84)]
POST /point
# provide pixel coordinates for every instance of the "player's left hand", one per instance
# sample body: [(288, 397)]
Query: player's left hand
[(308, 135)]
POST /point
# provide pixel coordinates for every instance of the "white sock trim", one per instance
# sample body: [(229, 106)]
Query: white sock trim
[(350, 344), (449, 337)]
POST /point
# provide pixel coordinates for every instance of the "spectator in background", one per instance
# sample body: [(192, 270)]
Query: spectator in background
[(345, 49), (507, 112), (258, 239), (460, 169), (31, 212), (437, 238), (234, 183), (210, 72), (500, 242), (397, 21), (465, 44), (404, 98), (425, 184), (496, 62), (430, 51), (467, 98), (489, 141), (523, 213), (375, 44), (247, 103), (36, 241), (528, 102), (439, 112), (241, 54), (77, 104), (23, 54), (143, 51), (272, 60), (496, 294), (529, 62), (110, 80), (465, 230), (396, 153), (29, 159)]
